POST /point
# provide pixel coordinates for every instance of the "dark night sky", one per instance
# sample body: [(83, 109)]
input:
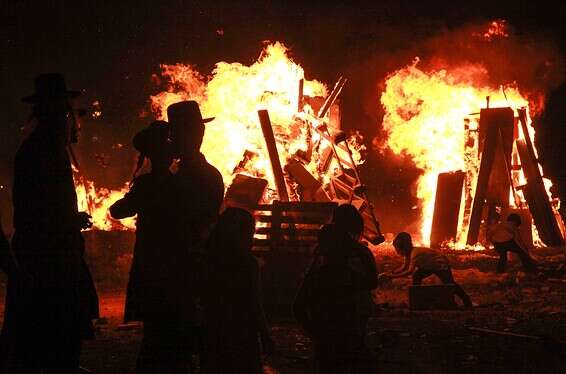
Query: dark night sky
[(111, 48)]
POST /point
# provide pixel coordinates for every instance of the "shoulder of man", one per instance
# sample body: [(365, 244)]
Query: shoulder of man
[(213, 172)]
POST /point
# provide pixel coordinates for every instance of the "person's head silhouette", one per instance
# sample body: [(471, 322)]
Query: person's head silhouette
[(234, 232), (187, 128), (153, 142), (346, 217), (332, 243), (51, 106)]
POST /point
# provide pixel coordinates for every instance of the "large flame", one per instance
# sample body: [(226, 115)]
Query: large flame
[(234, 142), (233, 94), (424, 117)]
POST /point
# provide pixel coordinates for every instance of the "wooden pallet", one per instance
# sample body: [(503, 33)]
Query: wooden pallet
[(290, 226)]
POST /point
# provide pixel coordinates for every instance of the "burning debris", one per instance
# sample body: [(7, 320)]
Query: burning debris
[(301, 130), (297, 151), (432, 117)]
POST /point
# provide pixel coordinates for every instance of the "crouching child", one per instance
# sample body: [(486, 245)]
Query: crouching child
[(422, 263)]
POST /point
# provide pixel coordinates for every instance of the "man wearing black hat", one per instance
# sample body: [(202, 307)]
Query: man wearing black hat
[(47, 318), (197, 193)]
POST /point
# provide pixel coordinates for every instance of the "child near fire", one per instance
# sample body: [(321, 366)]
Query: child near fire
[(505, 237), (422, 263)]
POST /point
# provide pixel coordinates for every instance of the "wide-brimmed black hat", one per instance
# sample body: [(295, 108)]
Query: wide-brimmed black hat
[(187, 112), (49, 87), (154, 138)]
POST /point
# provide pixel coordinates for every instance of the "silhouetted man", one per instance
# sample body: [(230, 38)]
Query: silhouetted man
[(47, 317), (195, 195), (155, 255)]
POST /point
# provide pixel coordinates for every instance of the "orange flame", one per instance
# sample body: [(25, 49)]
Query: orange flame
[(424, 117), (96, 202), (233, 94)]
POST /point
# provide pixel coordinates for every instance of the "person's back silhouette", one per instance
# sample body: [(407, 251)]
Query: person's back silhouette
[(234, 318), (46, 319), (199, 188), (155, 256), (326, 306), (348, 219), (195, 195)]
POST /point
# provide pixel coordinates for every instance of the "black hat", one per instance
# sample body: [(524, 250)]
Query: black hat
[(154, 137), (185, 112), (48, 87)]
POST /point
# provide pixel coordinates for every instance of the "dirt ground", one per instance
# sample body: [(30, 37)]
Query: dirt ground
[(517, 325)]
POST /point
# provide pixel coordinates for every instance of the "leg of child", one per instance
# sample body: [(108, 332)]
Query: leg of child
[(502, 262), (419, 275), (527, 261), (446, 277)]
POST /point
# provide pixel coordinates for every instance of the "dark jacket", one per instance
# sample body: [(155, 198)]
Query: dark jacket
[(233, 315), (198, 191), (154, 257), (48, 244)]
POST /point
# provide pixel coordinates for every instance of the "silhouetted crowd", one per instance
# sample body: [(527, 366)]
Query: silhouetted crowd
[(194, 282)]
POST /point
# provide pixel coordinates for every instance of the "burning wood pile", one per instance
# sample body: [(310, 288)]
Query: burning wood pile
[(277, 137), (477, 165)]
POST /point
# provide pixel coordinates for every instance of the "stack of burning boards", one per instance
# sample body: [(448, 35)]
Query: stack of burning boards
[(508, 166), (304, 201)]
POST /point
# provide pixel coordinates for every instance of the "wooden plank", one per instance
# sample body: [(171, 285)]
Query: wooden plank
[(446, 207), (245, 192), (537, 199), (314, 220), (289, 231), (499, 179), (491, 128), (305, 206), (284, 243), (271, 146)]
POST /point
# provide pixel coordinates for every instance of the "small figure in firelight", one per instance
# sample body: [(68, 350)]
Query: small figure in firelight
[(422, 263), (505, 237), (48, 317), (327, 306), (147, 295), (234, 320)]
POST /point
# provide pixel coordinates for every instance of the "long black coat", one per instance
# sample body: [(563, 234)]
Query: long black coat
[(49, 247), (150, 199), (175, 214), (198, 191)]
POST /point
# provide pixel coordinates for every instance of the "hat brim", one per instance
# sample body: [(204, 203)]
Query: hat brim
[(206, 120), (33, 99)]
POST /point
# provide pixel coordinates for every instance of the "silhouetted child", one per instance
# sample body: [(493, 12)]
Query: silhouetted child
[(327, 306), (422, 263), (234, 320), (360, 258), (505, 237)]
